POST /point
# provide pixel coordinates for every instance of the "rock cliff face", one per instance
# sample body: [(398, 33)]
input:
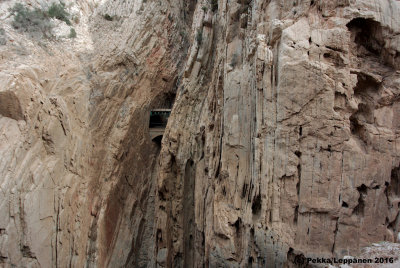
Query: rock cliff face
[(282, 141)]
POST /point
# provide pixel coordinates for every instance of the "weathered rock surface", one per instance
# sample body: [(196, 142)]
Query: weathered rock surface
[(76, 165), (282, 141), (288, 137)]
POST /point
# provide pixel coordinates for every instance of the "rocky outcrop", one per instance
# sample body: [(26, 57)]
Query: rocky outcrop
[(76, 159), (282, 141), (287, 145)]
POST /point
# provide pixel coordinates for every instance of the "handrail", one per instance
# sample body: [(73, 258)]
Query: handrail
[(159, 118), (161, 110)]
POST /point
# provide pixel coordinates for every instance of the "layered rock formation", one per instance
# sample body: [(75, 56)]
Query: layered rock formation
[(291, 149), (282, 141), (77, 162)]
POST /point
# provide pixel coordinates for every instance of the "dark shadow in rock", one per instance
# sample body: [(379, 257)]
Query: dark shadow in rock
[(10, 105)]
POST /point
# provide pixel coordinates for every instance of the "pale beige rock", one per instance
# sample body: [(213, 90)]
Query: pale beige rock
[(283, 140), (301, 145)]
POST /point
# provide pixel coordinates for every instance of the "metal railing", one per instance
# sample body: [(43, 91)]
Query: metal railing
[(159, 118)]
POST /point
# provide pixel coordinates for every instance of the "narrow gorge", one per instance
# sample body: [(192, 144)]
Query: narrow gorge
[(281, 141)]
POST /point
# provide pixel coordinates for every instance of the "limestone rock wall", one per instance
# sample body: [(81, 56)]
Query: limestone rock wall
[(282, 140), (287, 144), (76, 161)]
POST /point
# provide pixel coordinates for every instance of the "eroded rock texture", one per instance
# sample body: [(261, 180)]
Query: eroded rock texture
[(77, 165), (288, 137), (282, 141)]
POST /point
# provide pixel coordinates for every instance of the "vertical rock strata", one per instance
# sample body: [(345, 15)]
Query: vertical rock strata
[(282, 141), (283, 138)]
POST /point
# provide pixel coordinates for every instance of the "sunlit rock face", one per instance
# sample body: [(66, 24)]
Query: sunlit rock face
[(283, 139)]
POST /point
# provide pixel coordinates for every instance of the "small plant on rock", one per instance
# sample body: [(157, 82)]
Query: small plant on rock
[(108, 17), (72, 33), (199, 36), (34, 21), (3, 40), (37, 22), (58, 11)]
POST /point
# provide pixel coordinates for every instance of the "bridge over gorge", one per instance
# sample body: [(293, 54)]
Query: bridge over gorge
[(158, 122)]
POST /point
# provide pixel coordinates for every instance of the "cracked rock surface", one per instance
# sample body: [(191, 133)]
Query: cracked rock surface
[(282, 140)]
